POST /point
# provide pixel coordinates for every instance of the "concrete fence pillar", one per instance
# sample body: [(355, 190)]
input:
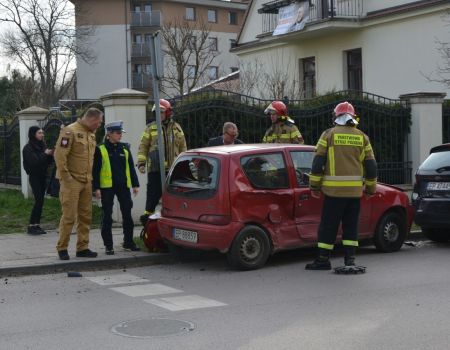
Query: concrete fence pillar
[(426, 128), (130, 106), (28, 117)]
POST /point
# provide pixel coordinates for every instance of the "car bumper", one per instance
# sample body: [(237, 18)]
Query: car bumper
[(209, 237), (432, 213)]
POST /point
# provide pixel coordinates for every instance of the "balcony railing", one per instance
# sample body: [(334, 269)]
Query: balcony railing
[(141, 81), (140, 50), (320, 10), (146, 19)]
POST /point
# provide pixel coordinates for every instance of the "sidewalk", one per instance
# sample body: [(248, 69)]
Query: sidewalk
[(23, 254)]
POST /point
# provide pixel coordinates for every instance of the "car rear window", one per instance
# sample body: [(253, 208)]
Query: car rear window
[(266, 171), (194, 176), (436, 161)]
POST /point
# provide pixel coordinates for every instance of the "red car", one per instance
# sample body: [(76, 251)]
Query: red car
[(250, 201)]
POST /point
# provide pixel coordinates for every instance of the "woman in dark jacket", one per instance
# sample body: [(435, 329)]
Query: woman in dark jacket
[(36, 159)]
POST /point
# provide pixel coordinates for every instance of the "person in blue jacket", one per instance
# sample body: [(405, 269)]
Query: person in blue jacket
[(114, 175)]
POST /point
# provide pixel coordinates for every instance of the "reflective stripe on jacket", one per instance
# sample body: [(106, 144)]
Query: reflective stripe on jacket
[(283, 132), (105, 171)]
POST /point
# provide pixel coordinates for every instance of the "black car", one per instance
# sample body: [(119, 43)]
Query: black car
[(431, 194)]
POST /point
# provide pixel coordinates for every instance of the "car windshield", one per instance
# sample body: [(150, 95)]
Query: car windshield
[(194, 176), (437, 161)]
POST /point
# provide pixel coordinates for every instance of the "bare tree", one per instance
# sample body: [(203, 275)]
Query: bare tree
[(188, 54), (42, 37), (250, 76)]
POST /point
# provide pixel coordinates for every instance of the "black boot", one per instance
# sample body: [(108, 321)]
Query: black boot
[(349, 258), (322, 262)]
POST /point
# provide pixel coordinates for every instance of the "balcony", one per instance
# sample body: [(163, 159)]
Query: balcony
[(141, 81), (320, 11), (146, 19), (140, 50)]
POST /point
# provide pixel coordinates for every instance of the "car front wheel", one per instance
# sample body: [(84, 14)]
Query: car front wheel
[(436, 235), (250, 249), (390, 233)]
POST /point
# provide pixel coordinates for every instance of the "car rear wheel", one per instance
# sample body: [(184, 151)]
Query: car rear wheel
[(390, 233), (250, 249), (436, 235)]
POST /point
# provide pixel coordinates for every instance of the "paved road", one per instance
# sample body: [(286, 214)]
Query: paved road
[(401, 303)]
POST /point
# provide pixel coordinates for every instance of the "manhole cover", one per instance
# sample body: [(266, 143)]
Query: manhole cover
[(155, 327)]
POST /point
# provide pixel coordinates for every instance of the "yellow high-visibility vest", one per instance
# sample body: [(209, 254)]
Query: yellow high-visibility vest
[(105, 171)]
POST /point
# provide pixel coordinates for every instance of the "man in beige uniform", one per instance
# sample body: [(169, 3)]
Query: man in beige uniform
[(74, 155)]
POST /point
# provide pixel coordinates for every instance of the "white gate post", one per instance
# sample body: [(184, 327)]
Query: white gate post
[(28, 117), (130, 106)]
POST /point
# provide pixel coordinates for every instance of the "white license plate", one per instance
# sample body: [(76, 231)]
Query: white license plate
[(438, 186), (185, 235)]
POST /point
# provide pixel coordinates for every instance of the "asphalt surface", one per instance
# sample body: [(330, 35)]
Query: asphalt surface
[(23, 254)]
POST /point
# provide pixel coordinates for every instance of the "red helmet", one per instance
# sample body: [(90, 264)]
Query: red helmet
[(277, 106), (165, 106), (343, 108)]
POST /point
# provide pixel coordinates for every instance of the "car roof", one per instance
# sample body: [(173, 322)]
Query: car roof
[(440, 148), (251, 148)]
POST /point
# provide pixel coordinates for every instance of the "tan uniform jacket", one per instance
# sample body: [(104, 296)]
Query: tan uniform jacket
[(74, 153), (283, 132), (174, 144)]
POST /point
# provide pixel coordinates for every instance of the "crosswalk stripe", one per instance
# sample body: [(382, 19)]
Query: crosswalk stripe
[(122, 278), (185, 302), (146, 289)]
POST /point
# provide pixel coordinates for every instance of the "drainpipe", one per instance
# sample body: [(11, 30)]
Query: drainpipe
[(126, 41)]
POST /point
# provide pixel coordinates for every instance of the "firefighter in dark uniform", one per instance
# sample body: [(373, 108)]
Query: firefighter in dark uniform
[(148, 156), (114, 175), (344, 162), (74, 155), (283, 129)]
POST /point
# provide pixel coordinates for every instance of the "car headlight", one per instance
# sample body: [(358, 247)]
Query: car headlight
[(414, 196)]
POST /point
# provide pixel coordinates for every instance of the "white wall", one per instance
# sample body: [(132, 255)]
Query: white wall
[(110, 71), (374, 5)]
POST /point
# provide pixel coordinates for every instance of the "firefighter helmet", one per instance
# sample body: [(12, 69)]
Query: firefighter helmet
[(344, 108), (278, 107), (164, 106)]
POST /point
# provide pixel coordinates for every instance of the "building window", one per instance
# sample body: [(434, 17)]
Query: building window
[(137, 8), (190, 72), (354, 70), (233, 43), (190, 13), (137, 38), (148, 8), (308, 69), (192, 42), (212, 44), (234, 69), (148, 69), (212, 16), (213, 72), (138, 68), (232, 17)]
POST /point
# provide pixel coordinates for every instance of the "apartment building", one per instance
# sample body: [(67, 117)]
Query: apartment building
[(385, 47), (123, 29)]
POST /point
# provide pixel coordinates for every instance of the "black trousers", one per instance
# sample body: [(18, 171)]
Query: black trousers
[(124, 197), (38, 186), (154, 190), (336, 210)]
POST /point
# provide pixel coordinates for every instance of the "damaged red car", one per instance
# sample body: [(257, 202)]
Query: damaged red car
[(251, 201)]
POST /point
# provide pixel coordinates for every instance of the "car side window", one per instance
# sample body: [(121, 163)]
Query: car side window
[(266, 171), (302, 163)]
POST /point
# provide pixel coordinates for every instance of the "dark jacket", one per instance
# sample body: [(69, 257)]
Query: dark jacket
[(35, 161), (218, 141), (118, 167)]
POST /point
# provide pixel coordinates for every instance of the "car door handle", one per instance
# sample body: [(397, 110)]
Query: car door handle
[(304, 197)]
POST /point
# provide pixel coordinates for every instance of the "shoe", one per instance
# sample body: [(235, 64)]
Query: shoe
[(349, 261), (109, 250), (131, 246), (41, 230), (63, 255), (143, 219), (86, 253), (319, 264), (33, 230)]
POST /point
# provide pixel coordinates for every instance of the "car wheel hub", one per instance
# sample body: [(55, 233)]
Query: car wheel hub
[(391, 232), (250, 248)]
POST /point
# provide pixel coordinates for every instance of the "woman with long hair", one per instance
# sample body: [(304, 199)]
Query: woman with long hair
[(36, 159)]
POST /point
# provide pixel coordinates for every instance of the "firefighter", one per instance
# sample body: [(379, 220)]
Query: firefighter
[(344, 162), (148, 156), (283, 129)]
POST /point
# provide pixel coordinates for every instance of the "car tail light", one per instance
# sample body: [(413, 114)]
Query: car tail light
[(215, 219)]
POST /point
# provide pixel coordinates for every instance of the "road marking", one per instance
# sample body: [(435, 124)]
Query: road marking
[(110, 280), (146, 289), (186, 302)]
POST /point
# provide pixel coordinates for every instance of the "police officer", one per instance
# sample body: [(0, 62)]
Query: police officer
[(74, 155), (344, 160), (283, 129), (148, 156), (114, 175)]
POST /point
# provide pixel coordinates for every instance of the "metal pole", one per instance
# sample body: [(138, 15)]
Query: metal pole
[(155, 54)]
